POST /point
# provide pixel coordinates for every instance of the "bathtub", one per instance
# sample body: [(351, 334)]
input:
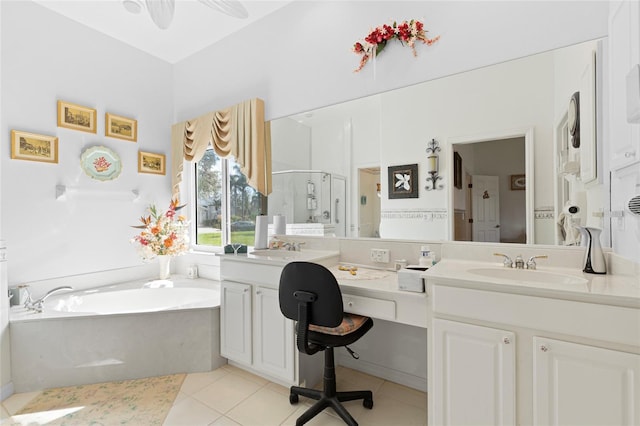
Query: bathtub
[(117, 332)]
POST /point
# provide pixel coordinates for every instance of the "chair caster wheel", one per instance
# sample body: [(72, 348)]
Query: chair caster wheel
[(367, 403), (293, 398)]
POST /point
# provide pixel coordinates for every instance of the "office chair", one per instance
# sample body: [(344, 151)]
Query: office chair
[(309, 294)]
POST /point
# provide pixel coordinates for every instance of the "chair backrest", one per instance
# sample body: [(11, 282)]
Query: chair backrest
[(326, 310)]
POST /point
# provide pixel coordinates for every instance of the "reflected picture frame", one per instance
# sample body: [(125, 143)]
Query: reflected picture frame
[(34, 147), (518, 182), (152, 163), (403, 181), (457, 170), (77, 117), (119, 127)]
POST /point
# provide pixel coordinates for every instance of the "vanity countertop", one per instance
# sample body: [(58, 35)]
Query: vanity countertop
[(282, 257), (618, 290)]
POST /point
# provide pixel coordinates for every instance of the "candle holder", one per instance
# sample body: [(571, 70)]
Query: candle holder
[(433, 165)]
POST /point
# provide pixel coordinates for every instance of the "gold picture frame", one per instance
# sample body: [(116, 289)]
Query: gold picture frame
[(149, 162), (34, 147), (116, 126), (76, 117)]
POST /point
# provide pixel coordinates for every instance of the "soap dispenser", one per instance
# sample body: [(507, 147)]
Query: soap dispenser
[(594, 262)]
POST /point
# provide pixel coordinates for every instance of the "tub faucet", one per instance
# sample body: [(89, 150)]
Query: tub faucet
[(36, 305)]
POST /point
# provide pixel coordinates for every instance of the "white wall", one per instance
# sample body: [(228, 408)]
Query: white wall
[(45, 58), (290, 145), (314, 67)]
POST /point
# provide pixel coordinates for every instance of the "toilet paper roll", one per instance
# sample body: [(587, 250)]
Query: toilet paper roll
[(262, 227), (279, 224)]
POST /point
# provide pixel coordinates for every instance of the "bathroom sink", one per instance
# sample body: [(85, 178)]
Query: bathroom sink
[(528, 275)]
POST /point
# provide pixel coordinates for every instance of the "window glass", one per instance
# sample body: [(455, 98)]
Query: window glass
[(226, 205)]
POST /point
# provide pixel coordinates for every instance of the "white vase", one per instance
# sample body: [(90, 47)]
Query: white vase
[(164, 263)]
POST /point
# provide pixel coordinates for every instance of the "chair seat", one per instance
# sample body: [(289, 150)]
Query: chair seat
[(349, 324), (321, 338)]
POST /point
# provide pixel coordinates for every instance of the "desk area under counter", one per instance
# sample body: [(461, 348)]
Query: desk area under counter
[(257, 337)]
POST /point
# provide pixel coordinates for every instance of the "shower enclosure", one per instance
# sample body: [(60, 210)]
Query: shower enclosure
[(313, 202)]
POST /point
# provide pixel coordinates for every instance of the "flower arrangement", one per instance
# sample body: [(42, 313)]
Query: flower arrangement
[(163, 233), (408, 32)]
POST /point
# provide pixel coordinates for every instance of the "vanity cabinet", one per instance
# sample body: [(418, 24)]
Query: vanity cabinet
[(274, 349), (474, 374), (235, 321), (254, 332), (574, 363), (577, 384)]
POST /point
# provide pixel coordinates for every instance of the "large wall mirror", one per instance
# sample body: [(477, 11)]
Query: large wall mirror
[(511, 170)]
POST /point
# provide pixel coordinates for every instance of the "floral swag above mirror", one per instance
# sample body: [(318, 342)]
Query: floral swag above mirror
[(407, 32)]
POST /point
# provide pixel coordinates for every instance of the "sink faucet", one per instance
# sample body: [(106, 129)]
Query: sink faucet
[(507, 262), (36, 305), (531, 263), (294, 246)]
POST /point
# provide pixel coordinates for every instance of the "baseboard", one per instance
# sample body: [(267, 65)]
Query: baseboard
[(6, 391), (400, 377)]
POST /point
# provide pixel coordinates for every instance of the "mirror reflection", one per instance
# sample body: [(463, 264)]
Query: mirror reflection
[(508, 166)]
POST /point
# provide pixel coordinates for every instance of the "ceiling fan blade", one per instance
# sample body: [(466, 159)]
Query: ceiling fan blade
[(161, 12), (230, 7)]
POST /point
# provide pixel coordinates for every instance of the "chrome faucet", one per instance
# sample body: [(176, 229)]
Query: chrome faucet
[(594, 262), (294, 246), (519, 262), (531, 263), (36, 305), (507, 262)]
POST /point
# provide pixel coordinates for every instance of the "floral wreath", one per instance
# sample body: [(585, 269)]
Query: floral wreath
[(407, 32)]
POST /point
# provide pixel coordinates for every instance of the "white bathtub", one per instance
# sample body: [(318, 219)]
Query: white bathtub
[(117, 332)]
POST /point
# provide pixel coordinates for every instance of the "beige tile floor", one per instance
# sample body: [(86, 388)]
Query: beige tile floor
[(230, 396)]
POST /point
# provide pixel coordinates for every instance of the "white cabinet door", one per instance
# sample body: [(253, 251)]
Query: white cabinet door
[(583, 385), (624, 52), (235, 321), (274, 349), (474, 375)]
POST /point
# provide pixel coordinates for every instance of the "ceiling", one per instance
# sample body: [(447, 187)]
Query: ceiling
[(194, 27)]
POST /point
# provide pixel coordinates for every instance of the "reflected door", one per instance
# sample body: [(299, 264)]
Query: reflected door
[(485, 196)]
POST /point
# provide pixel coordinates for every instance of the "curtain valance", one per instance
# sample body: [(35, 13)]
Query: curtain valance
[(239, 131)]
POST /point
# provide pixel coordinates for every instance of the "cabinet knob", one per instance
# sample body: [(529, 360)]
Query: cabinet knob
[(629, 154), (544, 348), (245, 290), (350, 304), (259, 292), (506, 340)]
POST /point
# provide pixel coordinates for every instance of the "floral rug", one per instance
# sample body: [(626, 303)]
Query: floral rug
[(128, 402)]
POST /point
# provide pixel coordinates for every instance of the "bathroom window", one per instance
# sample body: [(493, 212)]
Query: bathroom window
[(226, 206)]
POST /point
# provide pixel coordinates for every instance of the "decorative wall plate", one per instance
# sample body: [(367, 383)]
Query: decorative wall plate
[(101, 163)]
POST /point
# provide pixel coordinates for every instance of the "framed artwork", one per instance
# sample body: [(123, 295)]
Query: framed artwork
[(518, 183), (403, 181), (149, 162), (457, 170), (119, 127), (76, 117), (34, 147)]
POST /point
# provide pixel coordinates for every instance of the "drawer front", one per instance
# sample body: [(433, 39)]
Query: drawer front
[(376, 308)]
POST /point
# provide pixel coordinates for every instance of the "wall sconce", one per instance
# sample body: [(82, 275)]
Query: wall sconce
[(432, 165)]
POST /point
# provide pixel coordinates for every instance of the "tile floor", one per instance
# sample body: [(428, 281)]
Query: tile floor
[(231, 396)]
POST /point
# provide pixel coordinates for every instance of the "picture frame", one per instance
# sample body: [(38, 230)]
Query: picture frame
[(34, 147), (153, 163), (76, 117), (117, 126), (518, 182), (457, 170), (403, 181)]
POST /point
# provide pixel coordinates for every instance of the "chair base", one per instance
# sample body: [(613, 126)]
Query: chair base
[(329, 397)]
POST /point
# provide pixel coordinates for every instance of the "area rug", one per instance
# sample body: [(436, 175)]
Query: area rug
[(128, 402)]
